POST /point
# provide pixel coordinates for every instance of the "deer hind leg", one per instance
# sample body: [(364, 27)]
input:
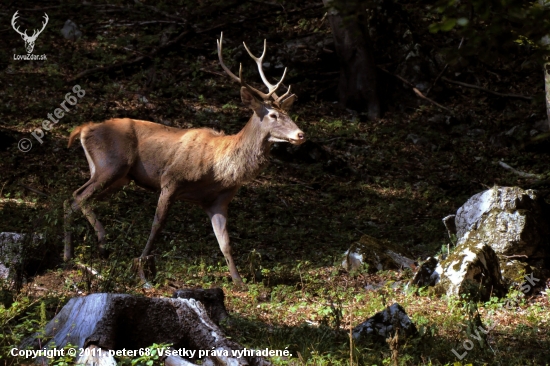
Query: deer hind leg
[(98, 186), (145, 264), (218, 216)]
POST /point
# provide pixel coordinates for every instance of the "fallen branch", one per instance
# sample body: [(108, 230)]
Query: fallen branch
[(518, 172), (211, 72), (471, 86), (415, 90), (515, 256), (90, 270), (33, 190)]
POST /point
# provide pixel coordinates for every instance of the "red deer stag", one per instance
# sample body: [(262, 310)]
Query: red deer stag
[(199, 165)]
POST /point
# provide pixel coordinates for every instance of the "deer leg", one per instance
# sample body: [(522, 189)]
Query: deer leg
[(165, 201), (218, 216), (91, 189)]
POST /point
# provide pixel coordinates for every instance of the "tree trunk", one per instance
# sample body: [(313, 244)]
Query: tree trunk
[(357, 87), (547, 89), (546, 43)]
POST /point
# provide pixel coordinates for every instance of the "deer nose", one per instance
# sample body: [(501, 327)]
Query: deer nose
[(301, 136)]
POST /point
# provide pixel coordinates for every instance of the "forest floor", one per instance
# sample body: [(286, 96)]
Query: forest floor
[(393, 179)]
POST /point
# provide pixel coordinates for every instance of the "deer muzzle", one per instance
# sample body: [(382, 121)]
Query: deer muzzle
[(297, 138)]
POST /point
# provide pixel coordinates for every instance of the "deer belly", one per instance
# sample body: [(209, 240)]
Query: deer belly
[(146, 176), (202, 194)]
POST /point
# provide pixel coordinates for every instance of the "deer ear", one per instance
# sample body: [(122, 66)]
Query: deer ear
[(287, 103), (250, 100)]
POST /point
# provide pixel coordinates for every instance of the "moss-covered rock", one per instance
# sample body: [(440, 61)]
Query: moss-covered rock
[(514, 271), (473, 270), (514, 222), (511, 220), (377, 254)]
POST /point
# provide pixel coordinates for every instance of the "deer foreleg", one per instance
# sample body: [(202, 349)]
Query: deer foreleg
[(146, 260), (218, 216)]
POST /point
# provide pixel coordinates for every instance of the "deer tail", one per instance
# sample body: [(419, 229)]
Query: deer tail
[(75, 134)]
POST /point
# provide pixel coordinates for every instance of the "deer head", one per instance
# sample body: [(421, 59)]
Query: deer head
[(29, 40), (270, 109)]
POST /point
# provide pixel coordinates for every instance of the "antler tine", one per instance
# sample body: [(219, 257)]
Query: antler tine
[(276, 86), (282, 97), (259, 62), (239, 78), (13, 19), (46, 18), (220, 57)]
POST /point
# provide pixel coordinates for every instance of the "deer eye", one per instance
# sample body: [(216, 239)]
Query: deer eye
[(273, 115)]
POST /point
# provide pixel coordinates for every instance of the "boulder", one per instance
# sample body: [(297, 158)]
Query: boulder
[(426, 274), (513, 222), (472, 269), (385, 324), (70, 31), (378, 255), (449, 222)]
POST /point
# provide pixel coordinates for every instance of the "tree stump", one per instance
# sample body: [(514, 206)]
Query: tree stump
[(101, 322), (212, 299)]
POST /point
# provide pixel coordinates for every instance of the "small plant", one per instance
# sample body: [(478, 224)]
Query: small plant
[(149, 356)]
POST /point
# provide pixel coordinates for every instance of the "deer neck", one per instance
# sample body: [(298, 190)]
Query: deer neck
[(245, 156)]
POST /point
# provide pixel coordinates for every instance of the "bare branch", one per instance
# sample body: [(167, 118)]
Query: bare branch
[(519, 172), (471, 86), (416, 91)]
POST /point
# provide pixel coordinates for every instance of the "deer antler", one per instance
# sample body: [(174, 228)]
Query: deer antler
[(239, 79), (37, 33), (13, 19), (259, 62)]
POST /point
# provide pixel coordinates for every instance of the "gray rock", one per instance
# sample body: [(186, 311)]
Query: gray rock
[(25, 253), (509, 219), (70, 31), (512, 131), (449, 222), (10, 251), (417, 140), (384, 324), (352, 261), (426, 274), (4, 271), (377, 254), (473, 269), (492, 227)]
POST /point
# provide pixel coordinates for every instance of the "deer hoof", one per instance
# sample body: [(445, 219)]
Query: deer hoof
[(145, 268)]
